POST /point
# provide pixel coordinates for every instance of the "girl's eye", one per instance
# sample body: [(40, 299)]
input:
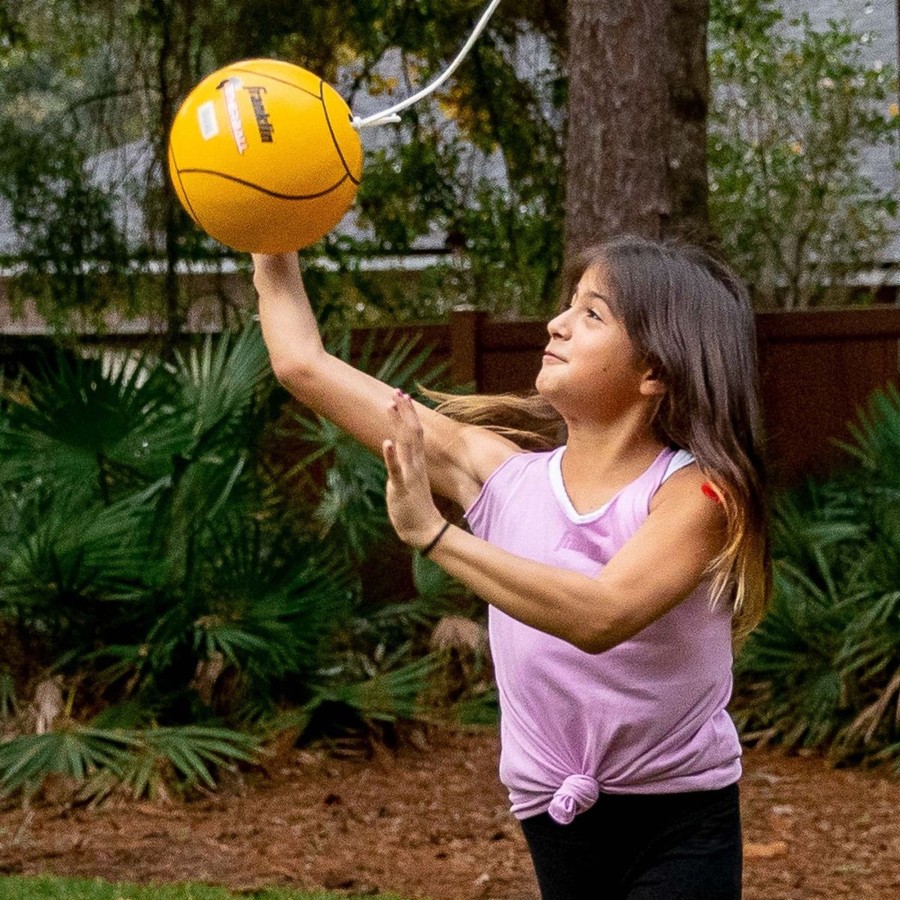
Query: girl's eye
[(593, 314)]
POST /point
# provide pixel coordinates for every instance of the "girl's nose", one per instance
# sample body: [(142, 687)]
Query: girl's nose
[(558, 326)]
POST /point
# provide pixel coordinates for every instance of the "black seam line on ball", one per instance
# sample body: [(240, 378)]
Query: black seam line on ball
[(275, 78), (337, 146), (263, 190), (191, 210)]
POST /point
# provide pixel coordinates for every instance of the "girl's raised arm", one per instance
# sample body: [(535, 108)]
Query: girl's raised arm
[(459, 457)]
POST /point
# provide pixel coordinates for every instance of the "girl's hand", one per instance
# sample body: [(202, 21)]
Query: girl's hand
[(278, 272), (410, 505)]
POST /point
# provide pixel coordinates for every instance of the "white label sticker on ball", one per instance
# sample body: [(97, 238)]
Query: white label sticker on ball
[(209, 125), (229, 89)]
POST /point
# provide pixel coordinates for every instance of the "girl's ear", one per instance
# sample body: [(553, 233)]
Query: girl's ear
[(651, 384)]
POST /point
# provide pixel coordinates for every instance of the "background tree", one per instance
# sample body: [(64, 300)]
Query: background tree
[(486, 163), (95, 78), (117, 71), (795, 111), (62, 218), (636, 144), (483, 164)]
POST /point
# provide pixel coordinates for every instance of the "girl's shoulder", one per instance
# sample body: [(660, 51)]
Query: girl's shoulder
[(686, 485), (679, 459)]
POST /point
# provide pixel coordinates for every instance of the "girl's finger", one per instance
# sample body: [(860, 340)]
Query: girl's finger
[(410, 416), (406, 423), (413, 438), (401, 437), (392, 461)]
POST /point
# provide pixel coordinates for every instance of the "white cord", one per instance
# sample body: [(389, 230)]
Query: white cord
[(390, 114)]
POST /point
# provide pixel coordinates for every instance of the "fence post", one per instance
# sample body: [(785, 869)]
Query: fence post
[(465, 347)]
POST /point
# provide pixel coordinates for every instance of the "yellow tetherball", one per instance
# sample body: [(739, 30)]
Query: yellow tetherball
[(264, 156)]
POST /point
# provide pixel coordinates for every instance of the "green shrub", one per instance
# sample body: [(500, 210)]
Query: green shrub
[(795, 109), (823, 668), (183, 582)]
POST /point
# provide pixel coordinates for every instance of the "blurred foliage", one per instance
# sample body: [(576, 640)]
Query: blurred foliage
[(823, 669), (794, 109), (477, 170), (62, 219), (92, 77), (481, 166)]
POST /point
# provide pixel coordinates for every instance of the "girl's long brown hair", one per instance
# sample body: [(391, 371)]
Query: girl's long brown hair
[(689, 316)]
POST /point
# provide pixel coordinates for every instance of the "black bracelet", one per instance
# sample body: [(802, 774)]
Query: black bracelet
[(434, 543)]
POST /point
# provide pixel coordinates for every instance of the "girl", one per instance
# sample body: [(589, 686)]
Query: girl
[(615, 566)]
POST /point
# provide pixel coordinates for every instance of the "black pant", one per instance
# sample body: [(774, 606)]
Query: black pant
[(642, 847)]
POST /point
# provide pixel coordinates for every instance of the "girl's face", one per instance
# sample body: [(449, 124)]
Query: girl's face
[(590, 368)]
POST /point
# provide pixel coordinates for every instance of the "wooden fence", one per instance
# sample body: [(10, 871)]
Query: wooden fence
[(817, 367)]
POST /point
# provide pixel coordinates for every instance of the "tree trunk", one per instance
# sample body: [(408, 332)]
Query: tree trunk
[(636, 142), (169, 27)]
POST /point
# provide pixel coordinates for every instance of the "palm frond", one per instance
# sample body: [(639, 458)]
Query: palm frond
[(346, 479), (387, 696), (90, 423), (796, 653), (26, 760), (193, 750), (876, 436), (65, 550), (219, 381), (107, 758), (269, 614), (821, 668), (188, 755)]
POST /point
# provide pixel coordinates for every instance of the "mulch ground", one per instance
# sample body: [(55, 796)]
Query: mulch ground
[(431, 821)]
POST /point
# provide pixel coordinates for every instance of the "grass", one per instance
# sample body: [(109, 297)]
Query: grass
[(48, 887)]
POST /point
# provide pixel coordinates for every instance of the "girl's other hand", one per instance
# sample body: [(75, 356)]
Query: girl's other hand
[(410, 505)]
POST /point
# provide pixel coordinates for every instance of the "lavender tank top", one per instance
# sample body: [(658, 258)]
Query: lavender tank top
[(647, 716)]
